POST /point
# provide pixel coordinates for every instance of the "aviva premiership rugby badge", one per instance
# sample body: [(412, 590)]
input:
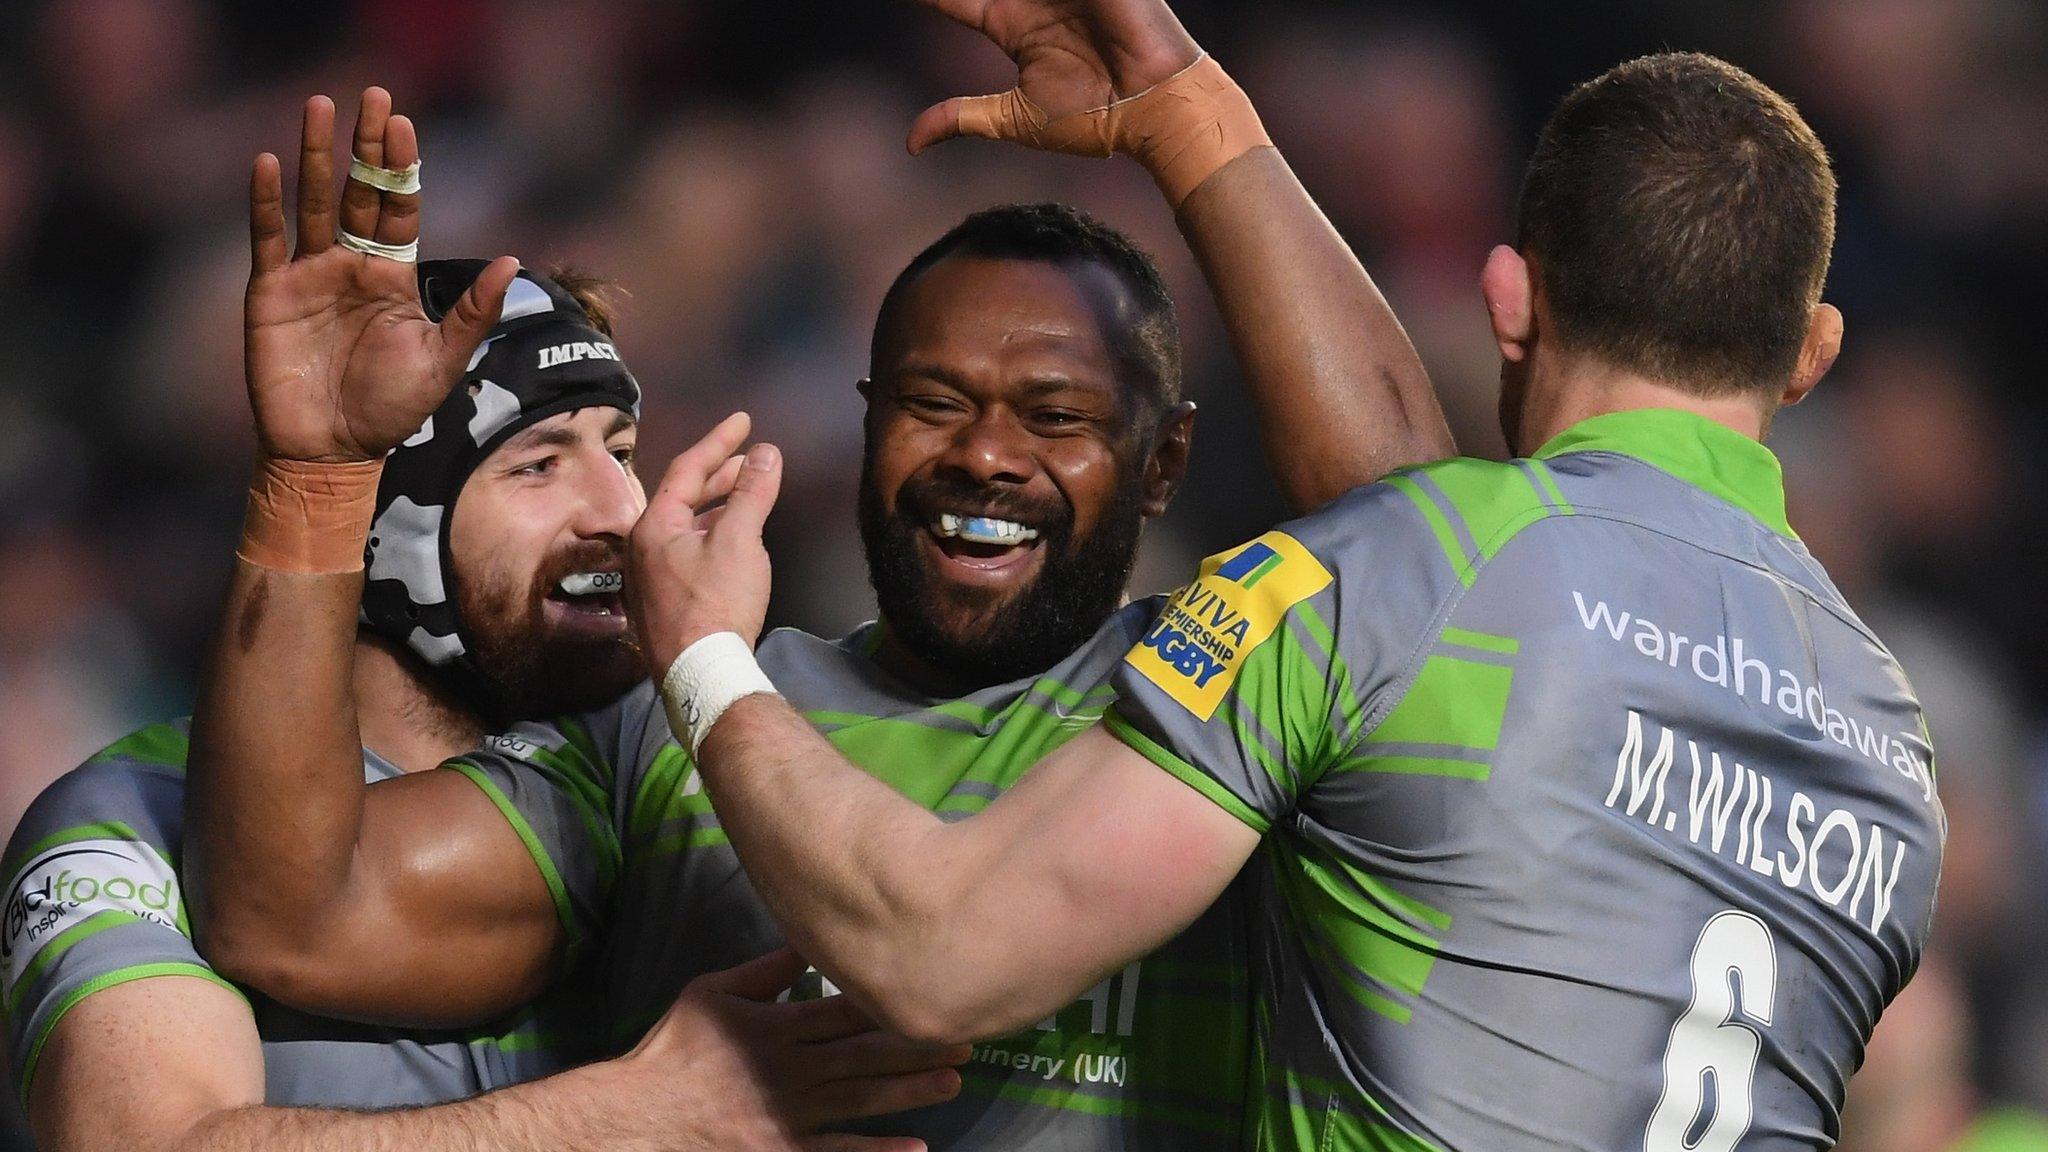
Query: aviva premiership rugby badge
[(1194, 650)]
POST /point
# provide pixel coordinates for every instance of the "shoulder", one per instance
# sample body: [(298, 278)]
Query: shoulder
[(131, 791)]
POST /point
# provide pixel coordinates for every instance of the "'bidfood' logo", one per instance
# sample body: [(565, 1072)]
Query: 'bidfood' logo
[(72, 882), (1194, 650)]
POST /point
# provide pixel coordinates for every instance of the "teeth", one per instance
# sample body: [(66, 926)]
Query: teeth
[(591, 583), (985, 529)]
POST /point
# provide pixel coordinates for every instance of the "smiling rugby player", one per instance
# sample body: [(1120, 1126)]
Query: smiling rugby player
[(1520, 885), (1024, 419), (501, 516)]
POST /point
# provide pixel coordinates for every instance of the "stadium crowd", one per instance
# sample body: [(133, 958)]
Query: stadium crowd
[(739, 169)]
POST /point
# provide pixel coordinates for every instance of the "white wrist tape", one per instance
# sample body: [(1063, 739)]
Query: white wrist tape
[(709, 677)]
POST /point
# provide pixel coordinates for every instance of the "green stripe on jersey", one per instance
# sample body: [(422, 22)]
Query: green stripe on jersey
[(584, 784), (556, 890), (100, 830), (1360, 926), (64, 942), (164, 745), (1495, 501), (1439, 525), (1187, 773), (1483, 641), (1453, 702)]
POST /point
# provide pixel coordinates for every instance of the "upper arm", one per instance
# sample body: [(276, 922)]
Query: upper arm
[(137, 1065), (474, 883)]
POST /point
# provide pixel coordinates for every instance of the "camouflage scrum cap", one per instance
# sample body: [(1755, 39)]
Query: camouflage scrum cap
[(544, 357)]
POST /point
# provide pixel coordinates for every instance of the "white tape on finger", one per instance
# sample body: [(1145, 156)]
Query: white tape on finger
[(404, 181), (406, 253), (709, 677)]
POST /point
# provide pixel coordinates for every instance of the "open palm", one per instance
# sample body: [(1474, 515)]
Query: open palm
[(341, 359), (1071, 55)]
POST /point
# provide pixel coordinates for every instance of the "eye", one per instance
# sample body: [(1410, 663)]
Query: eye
[(929, 405), (1059, 418), (624, 454), (540, 467)]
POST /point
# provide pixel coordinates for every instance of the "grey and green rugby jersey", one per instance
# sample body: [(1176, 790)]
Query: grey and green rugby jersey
[(95, 900), (1152, 1058), (1593, 817)]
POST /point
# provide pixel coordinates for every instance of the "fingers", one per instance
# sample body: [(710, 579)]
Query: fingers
[(878, 1053), (1001, 116), (691, 471), (937, 123), (316, 177), (466, 324), (843, 1143), (361, 203), (267, 247), (753, 494), (863, 1096), (398, 222), (762, 978), (722, 482)]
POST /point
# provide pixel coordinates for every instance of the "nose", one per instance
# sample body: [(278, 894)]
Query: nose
[(991, 449), (612, 501)]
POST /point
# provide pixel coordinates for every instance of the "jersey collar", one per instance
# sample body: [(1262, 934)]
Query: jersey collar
[(1712, 457)]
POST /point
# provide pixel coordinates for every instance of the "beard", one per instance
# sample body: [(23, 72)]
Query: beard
[(525, 669), (979, 638)]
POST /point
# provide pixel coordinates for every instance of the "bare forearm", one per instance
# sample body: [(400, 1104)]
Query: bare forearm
[(849, 867), (275, 772), (568, 1112), (1341, 395), (564, 1114), (943, 932)]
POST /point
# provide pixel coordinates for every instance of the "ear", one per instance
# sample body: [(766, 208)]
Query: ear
[(1817, 353), (1167, 465), (1510, 302)]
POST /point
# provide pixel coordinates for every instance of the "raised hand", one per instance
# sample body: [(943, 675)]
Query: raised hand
[(744, 1072), (341, 360), (693, 569), (1071, 56)]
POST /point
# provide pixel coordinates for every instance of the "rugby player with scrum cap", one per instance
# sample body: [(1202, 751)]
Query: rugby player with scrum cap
[(122, 1035), (1581, 810), (1024, 420)]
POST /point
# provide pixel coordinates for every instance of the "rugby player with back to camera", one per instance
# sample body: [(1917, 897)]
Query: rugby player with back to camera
[(1581, 809), (122, 1035), (1023, 421)]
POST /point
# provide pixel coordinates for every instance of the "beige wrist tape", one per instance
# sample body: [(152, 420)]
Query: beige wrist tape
[(309, 518), (1182, 129)]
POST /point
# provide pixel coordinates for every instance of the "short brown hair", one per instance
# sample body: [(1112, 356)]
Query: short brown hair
[(1679, 215)]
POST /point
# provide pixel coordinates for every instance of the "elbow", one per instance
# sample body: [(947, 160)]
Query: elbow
[(285, 967), (942, 1000), (936, 1021)]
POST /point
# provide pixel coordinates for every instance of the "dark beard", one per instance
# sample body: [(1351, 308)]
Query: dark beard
[(521, 672), (1079, 584)]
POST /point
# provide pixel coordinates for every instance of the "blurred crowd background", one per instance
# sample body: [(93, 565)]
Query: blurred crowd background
[(738, 166)]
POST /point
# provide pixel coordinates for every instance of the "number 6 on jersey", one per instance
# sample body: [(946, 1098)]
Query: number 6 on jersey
[(1710, 1038)]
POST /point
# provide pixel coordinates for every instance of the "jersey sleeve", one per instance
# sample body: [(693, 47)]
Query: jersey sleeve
[(1261, 675), (93, 898), (552, 785)]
